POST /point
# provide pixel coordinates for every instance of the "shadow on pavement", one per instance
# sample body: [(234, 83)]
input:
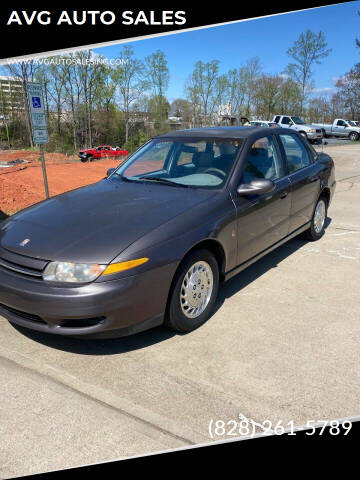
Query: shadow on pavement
[(250, 274), (159, 334)]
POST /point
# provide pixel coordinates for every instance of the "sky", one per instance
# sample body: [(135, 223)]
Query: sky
[(268, 38)]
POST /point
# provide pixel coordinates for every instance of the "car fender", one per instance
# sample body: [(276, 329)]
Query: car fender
[(218, 225)]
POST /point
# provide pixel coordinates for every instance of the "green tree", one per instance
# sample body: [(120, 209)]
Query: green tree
[(267, 95), (349, 91), (201, 89), (181, 108), (158, 75), (290, 97)]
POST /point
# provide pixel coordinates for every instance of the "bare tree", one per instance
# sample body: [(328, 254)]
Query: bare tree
[(252, 71), (129, 79), (237, 89), (309, 49)]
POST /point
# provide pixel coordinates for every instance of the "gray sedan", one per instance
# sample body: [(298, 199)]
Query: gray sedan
[(151, 242)]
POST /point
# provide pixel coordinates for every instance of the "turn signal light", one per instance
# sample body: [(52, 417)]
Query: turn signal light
[(120, 267)]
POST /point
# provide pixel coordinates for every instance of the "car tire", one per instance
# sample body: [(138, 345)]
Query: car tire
[(354, 136), (318, 221), (198, 274)]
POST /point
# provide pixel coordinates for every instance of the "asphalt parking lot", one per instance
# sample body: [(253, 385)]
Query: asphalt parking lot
[(283, 345)]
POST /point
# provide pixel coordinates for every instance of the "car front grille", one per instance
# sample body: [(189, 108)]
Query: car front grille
[(20, 264), (318, 130)]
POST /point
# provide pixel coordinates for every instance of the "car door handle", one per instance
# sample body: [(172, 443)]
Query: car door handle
[(283, 194)]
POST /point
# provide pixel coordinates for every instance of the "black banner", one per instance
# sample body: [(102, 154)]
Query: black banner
[(43, 28), (233, 456)]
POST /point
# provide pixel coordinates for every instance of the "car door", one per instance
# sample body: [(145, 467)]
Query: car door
[(262, 220), (286, 122), (340, 128), (304, 177)]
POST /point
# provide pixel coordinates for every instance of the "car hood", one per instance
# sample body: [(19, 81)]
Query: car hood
[(94, 224), (307, 126)]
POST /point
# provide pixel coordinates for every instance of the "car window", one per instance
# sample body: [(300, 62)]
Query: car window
[(297, 155), (185, 158), (263, 161), (285, 120), (152, 159), (340, 123), (195, 163), (277, 119)]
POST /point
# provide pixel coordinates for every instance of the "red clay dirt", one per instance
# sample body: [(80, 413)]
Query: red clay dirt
[(22, 185)]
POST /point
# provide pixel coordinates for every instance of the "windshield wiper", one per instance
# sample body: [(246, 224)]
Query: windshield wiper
[(126, 179), (160, 180)]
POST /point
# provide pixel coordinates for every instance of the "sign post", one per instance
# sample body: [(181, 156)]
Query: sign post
[(38, 123)]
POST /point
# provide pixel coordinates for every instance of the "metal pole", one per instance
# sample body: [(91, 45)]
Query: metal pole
[(43, 166)]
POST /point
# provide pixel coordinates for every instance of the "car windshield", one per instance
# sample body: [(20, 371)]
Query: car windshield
[(353, 124), (187, 162), (298, 121)]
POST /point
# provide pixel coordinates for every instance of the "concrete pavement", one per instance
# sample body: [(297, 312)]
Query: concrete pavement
[(283, 345)]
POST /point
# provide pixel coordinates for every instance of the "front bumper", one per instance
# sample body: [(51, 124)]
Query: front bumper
[(99, 309), (314, 135)]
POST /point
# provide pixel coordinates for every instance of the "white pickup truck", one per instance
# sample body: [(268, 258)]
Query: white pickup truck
[(311, 132), (340, 128)]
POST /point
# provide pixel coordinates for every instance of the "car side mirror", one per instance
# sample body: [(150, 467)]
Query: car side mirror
[(258, 186), (110, 171)]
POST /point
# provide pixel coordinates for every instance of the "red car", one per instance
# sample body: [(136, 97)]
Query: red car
[(103, 151)]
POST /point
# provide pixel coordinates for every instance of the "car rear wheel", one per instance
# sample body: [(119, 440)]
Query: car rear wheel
[(194, 291), (317, 227)]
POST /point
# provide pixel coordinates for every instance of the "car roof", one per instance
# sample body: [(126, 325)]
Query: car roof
[(224, 132)]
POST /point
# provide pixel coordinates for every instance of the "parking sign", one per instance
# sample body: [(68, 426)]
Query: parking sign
[(37, 112)]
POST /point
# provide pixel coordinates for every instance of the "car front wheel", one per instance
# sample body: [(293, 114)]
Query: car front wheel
[(317, 227), (194, 291)]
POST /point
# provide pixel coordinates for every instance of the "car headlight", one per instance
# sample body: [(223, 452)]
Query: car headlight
[(86, 272), (310, 130), (72, 272)]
